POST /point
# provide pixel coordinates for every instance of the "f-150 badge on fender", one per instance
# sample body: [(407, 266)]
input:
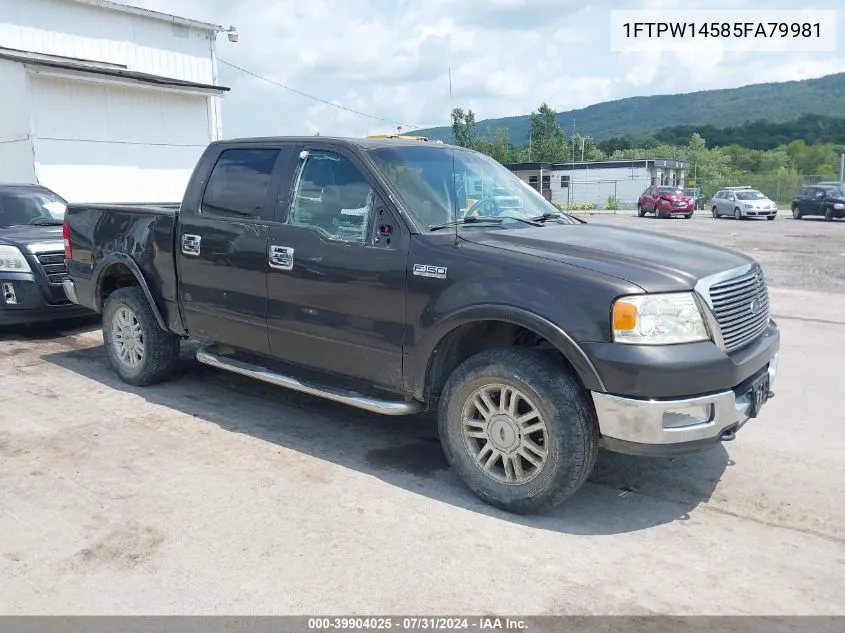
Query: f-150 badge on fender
[(422, 270)]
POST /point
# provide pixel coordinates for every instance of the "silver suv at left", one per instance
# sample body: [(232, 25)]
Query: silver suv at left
[(743, 202)]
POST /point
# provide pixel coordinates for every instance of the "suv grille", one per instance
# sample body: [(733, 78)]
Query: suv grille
[(741, 306), (54, 266)]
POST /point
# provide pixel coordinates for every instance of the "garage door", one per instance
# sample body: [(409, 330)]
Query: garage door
[(100, 142)]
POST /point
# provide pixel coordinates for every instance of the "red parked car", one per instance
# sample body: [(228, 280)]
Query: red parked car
[(665, 202)]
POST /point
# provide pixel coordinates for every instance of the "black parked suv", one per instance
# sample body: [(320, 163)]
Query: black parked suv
[(362, 270), (32, 256), (825, 200)]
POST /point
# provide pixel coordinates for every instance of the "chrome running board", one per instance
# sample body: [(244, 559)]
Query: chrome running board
[(385, 407)]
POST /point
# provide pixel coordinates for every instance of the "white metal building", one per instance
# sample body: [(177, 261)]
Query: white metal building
[(597, 181), (104, 102)]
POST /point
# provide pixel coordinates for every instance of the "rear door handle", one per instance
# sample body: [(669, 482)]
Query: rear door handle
[(191, 244)]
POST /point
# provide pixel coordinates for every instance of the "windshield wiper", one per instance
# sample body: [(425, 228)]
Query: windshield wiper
[(473, 219), (557, 216), (45, 222)]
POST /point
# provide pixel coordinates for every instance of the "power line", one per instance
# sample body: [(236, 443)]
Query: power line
[(329, 103)]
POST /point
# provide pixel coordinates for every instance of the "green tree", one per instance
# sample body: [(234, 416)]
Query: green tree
[(547, 142), (463, 127)]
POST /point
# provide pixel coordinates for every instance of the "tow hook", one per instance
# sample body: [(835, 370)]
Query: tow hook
[(728, 435)]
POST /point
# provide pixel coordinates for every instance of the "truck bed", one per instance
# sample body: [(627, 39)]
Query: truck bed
[(145, 232)]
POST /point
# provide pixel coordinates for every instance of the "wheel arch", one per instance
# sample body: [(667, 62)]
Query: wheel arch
[(119, 271), (478, 328)]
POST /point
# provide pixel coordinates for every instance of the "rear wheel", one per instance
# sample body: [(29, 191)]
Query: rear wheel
[(139, 350), (688, 216), (518, 429)]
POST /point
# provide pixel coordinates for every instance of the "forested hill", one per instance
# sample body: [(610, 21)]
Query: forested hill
[(773, 102)]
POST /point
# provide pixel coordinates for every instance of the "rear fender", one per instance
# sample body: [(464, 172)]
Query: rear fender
[(115, 259)]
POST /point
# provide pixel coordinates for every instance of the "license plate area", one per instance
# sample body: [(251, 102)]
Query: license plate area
[(758, 394)]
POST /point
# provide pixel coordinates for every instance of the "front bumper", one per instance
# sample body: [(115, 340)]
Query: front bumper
[(679, 425), (758, 213), (23, 300)]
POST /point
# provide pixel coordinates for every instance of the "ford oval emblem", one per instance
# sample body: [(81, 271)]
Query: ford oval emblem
[(754, 306)]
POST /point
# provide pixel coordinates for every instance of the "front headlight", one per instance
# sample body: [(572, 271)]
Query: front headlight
[(658, 319), (12, 260), (839, 206)]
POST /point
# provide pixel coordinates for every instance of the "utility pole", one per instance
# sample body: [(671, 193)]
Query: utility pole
[(842, 170)]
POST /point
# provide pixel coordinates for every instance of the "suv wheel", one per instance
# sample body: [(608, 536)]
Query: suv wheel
[(796, 214), (518, 430), (828, 214), (139, 350)]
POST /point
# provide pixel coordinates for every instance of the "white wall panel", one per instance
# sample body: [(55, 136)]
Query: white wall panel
[(109, 172), (82, 110), (71, 29), (14, 109), (102, 143), (16, 164)]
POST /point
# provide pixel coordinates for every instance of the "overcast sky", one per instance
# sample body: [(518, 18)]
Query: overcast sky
[(390, 58)]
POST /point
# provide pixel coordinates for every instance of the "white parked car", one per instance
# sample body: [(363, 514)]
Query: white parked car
[(743, 202)]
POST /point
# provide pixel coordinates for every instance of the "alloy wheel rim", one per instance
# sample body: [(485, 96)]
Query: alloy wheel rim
[(127, 337), (505, 434)]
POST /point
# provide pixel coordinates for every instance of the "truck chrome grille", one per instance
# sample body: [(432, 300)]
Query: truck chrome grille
[(741, 308), (54, 267)]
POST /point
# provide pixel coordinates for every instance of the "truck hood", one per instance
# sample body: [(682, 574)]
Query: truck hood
[(653, 262), (24, 235)]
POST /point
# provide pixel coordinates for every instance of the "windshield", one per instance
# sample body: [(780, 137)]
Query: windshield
[(670, 191), (29, 206), (836, 191), (690, 192), (749, 195), (439, 186)]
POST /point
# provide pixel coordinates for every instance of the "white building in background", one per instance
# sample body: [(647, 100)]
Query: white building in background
[(596, 181), (104, 102)]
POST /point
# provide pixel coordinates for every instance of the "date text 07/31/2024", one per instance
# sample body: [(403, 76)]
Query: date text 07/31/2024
[(421, 623)]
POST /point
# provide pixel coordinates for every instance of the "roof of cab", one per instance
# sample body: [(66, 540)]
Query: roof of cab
[(363, 143)]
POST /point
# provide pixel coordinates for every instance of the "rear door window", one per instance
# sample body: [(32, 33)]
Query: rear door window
[(239, 182)]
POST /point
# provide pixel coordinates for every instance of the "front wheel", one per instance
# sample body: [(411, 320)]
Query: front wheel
[(518, 430), (640, 210), (737, 214), (796, 213), (828, 214), (139, 350), (688, 216), (715, 212)]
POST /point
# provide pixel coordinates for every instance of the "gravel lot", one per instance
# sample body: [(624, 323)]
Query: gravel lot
[(216, 494)]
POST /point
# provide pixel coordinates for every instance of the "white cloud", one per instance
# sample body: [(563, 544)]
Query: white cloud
[(391, 58)]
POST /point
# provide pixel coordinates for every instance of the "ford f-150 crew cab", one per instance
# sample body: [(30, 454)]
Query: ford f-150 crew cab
[(384, 274)]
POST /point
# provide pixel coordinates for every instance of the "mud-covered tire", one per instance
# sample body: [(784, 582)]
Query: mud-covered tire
[(564, 410), (160, 355)]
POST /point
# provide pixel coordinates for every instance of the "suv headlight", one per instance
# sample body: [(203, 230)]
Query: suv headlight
[(12, 260), (658, 319)]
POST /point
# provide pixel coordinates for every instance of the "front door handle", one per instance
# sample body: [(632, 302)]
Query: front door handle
[(280, 257), (191, 244)]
